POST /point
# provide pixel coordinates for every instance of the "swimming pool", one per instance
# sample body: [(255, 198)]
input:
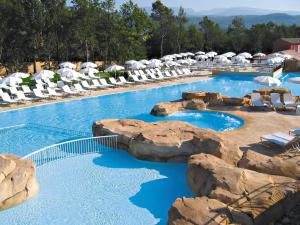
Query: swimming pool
[(102, 188), (79, 115)]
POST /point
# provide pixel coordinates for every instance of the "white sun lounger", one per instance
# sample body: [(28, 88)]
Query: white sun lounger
[(113, 81), (295, 132), (68, 91), (275, 100), (122, 79), (281, 139), (167, 73), (104, 83), (173, 72), (97, 84), (79, 88), (136, 79), (146, 78), (38, 93), (13, 90), (180, 72), (87, 86), (257, 101), (52, 92), (26, 89), (7, 99), (289, 100), (21, 96)]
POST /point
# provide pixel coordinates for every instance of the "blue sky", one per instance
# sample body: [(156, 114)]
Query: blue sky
[(209, 4)]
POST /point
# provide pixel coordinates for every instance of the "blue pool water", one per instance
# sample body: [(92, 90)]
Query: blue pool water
[(110, 188), (105, 188), (217, 121), (80, 114)]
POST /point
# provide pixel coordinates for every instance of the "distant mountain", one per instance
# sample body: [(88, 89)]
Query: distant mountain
[(277, 18), (235, 11)]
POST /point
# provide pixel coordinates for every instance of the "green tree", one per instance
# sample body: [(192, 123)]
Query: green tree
[(181, 32), (237, 37)]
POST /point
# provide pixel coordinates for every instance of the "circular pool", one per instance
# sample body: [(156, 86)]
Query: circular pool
[(217, 121)]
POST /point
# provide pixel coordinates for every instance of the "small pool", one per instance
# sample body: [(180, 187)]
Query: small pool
[(217, 121)]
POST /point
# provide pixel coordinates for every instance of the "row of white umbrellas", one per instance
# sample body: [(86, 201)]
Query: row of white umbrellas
[(73, 66), (272, 81)]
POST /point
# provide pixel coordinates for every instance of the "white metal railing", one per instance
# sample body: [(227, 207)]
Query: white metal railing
[(72, 148)]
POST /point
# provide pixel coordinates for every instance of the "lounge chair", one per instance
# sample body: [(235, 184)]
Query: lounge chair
[(136, 79), (26, 89), (97, 84), (281, 139), (79, 88), (7, 99), (21, 96), (257, 101), (38, 93), (143, 77), (86, 85), (289, 101), (40, 87), (295, 132), (13, 90), (180, 72), (137, 73), (113, 81), (68, 91), (173, 72), (122, 79), (167, 73), (52, 92), (275, 100), (104, 83)]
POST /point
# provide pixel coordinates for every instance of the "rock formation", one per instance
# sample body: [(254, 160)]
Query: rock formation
[(167, 141), (17, 181)]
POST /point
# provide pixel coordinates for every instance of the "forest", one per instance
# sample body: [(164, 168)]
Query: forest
[(89, 30)]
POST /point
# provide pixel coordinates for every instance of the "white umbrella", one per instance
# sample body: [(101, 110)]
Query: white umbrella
[(277, 54), (200, 57), (19, 75), (154, 64), (295, 80), (287, 56), (67, 65), (191, 61), (229, 54), (155, 60), (114, 68), (259, 54), (211, 54), (246, 55), (12, 81), (200, 53), (129, 62), (171, 63), (88, 65), (167, 58), (190, 54), (71, 74), (43, 74), (266, 80), (276, 60), (239, 59), (144, 61), (177, 55), (63, 70), (89, 70), (137, 66), (222, 59)]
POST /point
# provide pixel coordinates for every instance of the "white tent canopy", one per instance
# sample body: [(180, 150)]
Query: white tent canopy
[(88, 65), (266, 80), (67, 65), (114, 68)]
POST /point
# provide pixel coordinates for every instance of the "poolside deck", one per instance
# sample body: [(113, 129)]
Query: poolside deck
[(198, 76), (258, 124)]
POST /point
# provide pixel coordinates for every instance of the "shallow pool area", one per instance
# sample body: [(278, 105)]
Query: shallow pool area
[(107, 188), (217, 121)]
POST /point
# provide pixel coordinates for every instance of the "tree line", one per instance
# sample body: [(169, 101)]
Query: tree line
[(88, 30)]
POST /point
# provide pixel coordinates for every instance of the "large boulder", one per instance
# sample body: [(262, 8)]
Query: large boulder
[(167, 141), (283, 166), (167, 108), (213, 98), (263, 197), (17, 181), (190, 211)]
